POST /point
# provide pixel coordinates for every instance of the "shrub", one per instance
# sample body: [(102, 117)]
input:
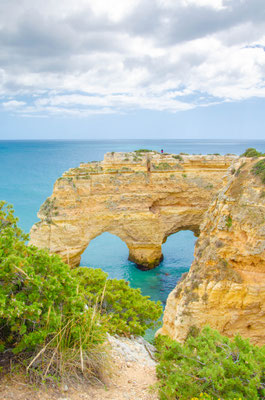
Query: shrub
[(163, 166), (125, 169), (38, 292), (259, 169), (213, 364), (126, 310), (178, 157), (251, 152), (143, 151), (56, 316)]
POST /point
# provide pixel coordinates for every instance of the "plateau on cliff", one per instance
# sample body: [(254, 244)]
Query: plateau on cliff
[(142, 197)]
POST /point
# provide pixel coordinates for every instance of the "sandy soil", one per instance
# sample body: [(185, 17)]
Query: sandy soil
[(129, 381)]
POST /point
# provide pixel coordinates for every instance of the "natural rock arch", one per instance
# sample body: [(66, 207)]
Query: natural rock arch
[(140, 198), (225, 285)]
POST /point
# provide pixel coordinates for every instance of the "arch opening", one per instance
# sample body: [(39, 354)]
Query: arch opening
[(108, 252), (178, 252)]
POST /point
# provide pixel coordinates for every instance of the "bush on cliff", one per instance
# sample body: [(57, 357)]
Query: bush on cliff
[(213, 364), (251, 152), (53, 313)]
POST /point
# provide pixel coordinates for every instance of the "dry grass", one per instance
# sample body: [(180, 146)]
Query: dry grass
[(72, 355), (75, 354), (52, 366)]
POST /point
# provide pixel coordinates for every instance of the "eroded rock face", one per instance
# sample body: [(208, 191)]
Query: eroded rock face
[(141, 198), (225, 287)]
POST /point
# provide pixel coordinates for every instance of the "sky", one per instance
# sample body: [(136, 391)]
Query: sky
[(86, 69)]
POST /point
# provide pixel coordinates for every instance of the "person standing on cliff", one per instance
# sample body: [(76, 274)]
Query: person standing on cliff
[(162, 151)]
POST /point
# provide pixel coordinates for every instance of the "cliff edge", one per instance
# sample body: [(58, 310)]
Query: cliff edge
[(142, 197), (225, 287)]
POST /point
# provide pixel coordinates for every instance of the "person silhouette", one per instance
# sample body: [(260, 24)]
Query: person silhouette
[(162, 151)]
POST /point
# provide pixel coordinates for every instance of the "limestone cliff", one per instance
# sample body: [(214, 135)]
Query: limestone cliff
[(225, 287), (140, 197)]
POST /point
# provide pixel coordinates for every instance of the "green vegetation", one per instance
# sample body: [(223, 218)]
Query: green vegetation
[(259, 169), (178, 157), (239, 169), (251, 152), (112, 170), (48, 209), (163, 166), (117, 300), (137, 159), (143, 151), (125, 169), (229, 221), (212, 364), (209, 186), (56, 318)]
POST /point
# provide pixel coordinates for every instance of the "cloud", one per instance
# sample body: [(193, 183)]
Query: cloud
[(114, 56), (13, 104)]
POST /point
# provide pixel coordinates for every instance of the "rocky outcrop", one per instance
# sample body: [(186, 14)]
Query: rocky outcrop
[(142, 197), (225, 287)]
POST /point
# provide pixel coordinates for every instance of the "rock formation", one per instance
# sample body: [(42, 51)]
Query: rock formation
[(142, 197), (225, 287)]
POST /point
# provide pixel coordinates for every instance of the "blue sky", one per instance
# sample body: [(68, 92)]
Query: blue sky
[(132, 69)]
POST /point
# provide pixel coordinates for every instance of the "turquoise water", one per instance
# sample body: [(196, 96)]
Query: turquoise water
[(109, 252), (29, 169)]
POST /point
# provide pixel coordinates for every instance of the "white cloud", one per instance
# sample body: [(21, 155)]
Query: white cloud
[(13, 104), (106, 56)]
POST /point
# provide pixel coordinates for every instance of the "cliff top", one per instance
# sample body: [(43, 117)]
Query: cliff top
[(151, 161)]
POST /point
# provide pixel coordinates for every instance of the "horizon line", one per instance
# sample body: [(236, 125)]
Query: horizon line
[(130, 139)]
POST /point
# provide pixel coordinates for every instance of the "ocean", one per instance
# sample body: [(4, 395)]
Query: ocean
[(30, 168)]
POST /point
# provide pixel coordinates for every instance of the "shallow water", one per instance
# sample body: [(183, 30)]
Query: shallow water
[(157, 283)]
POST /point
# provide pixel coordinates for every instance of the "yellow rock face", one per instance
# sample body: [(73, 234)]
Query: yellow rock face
[(140, 197), (225, 287)]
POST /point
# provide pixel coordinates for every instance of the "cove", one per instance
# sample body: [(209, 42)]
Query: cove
[(109, 253)]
